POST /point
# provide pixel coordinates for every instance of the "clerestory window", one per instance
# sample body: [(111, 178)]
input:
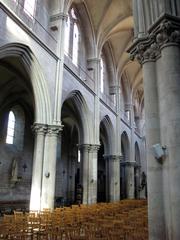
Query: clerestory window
[(72, 37), (28, 6), (102, 75)]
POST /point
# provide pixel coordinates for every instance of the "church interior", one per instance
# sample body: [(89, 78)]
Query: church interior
[(90, 119)]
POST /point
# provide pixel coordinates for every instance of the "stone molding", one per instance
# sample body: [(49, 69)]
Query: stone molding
[(121, 158), (59, 16), (166, 31), (114, 158), (114, 89), (129, 164), (94, 60), (129, 106)]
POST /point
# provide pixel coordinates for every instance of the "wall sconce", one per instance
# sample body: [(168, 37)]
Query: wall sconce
[(92, 180), (47, 174), (24, 167)]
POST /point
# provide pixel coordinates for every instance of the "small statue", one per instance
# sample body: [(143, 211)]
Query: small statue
[(14, 170), (143, 180)]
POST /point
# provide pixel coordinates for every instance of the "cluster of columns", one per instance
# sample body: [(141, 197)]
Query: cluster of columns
[(159, 54), (44, 166)]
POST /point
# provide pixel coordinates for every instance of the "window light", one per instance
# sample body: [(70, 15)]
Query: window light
[(75, 45), (10, 128), (67, 34), (102, 75), (29, 7)]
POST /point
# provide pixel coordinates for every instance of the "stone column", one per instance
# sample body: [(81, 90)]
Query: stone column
[(49, 166), (129, 179), (35, 199), (113, 177), (94, 63), (122, 178), (84, 171), (168, 73), (92, 196), (137, 183), (71, 174), (106, 159), (58, 21), (154, 169), (146, 52)]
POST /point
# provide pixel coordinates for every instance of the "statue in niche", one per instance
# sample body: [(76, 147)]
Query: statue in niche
[(143, 180), (14, 171), (143, 185)]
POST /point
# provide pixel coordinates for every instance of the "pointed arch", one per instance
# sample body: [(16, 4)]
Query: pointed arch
[(82, 115), (107, 135), (43, 113), (137, 154), (85, 27), (125, 146)]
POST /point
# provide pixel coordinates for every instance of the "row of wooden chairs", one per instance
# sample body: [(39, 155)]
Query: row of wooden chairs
[(124, 220)]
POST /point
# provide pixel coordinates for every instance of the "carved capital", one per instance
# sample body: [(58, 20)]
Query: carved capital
[(54, 130), (113, 158), (94, 147), (166, 31), (39, 128), (84, 147), (121, 159), (89, 147)]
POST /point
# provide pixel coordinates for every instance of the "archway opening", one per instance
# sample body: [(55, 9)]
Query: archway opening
[(137, 172), (17, 142), (69, 162), (122, 174), (101, 188), (124, 160)]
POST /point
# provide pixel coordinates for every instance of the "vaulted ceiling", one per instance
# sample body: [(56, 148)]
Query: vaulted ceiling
[(112, 21)]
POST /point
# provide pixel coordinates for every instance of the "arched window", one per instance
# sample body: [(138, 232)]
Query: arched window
[(102, 75), (10, 128), (67, 35), (75, 44), (71, 46), (29, 7), (15, 127)]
